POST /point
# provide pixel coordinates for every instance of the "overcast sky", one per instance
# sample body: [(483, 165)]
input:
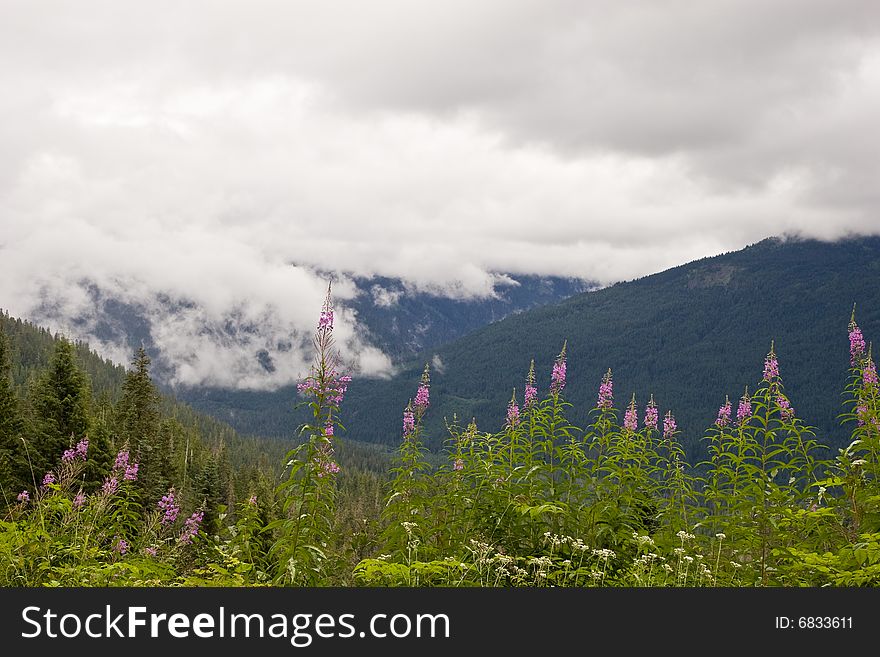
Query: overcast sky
[(216, 152)]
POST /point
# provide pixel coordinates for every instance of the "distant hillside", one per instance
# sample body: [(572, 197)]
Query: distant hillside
[(404, 323), (689, 335)]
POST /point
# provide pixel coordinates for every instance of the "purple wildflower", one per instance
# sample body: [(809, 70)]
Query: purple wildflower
[(861, 413), (150, 551), (111, 485), (557, 377), (856, 340), (191, 527), (606, 391), (631, 417), (49, 478), (328, 429), (24, 497), (771, 366), (744, 410), (82, 448), (421, 402), (169, 507), (79, 500), (121, 546), (869, 373), (785, 408), (723, 418), (252, 500), (323, 460), (651, 415), (121, 462), (669, 425), (131, 472), (512, 412), (409, 421), (458, 464), (531, 392), (68, 456)]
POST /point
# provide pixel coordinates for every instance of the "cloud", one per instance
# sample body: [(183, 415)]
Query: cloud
[(203, 162)]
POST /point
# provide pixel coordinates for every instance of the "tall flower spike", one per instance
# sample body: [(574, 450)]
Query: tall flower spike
[(325, 321), (869, 372), (606, 391), (512, 412), (723, 418), (422, 395), (651, 415), (669, 425), (557, 378), (856, 340), (409, 420), (785, 409), (771, 365), (744, 410), (631, 417), (531, 392)]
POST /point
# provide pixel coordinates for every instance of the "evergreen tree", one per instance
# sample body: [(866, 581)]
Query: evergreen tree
[(101, 453), (138, 423), (14, 472), (60, 404)]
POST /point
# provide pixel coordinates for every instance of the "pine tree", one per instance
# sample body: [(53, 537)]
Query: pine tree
[(138, 423), (14, 472), (101, 453), (60, 403)]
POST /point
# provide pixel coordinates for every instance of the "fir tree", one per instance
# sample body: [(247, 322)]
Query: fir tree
[(14, 472), (138, 423), (60, 403)]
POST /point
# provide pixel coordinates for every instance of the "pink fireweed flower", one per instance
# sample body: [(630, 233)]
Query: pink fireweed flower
[(531, 391), (631, 417), (121, 460), (131, 472), (169, 508), (49, 478), (252, 500), (110, 486), (771, 365), (323, 461), (458, 464), (79, 500), (785, 408), (328, 429), (557, 376), (669, 425), (150, 551), (191, 527), (409, 421), (606, 391), (422, 402), (856, 340), (723, 418), (121, 546), (77, 453), (861, 413), (512, 412), (326, 319), (24, 497), (869, 373), (744, 410), (651, 415)]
